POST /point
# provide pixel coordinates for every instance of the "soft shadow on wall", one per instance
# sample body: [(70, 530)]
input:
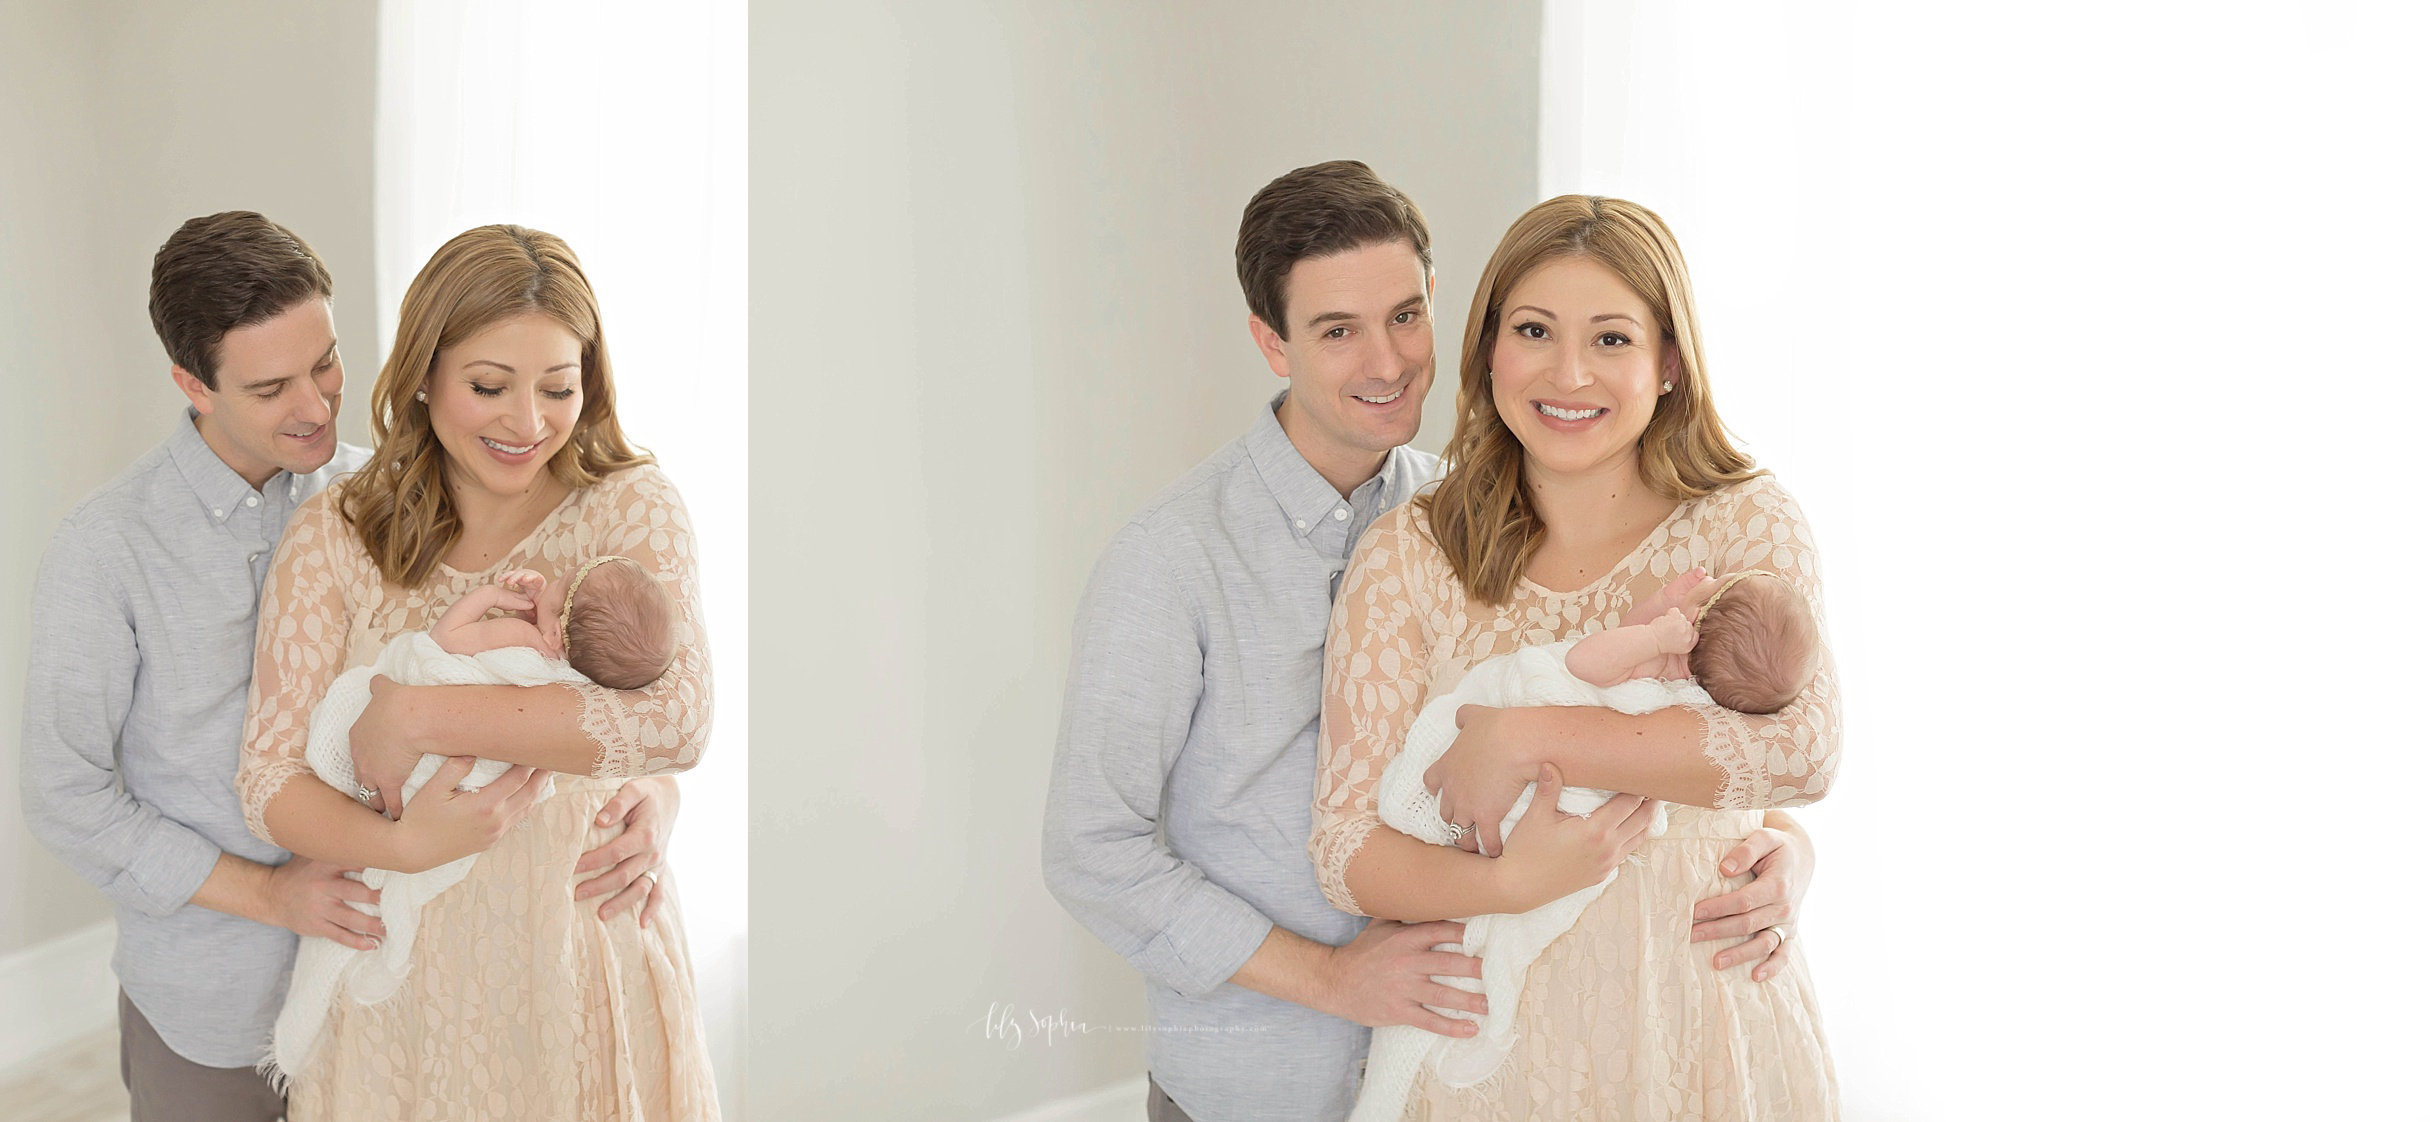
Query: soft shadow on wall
[(995, 311)]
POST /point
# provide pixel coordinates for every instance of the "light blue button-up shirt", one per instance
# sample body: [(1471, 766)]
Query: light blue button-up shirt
[(134, 711), (1177, 820)]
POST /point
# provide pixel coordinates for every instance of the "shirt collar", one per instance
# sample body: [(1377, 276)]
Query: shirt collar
[(1306, 499), (222, 491)]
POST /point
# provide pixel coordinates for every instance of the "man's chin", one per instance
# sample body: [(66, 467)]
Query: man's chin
[(307, 464), (1389, 437)]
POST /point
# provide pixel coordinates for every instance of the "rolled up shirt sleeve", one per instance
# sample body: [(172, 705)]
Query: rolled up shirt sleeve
[(79, 685), (1136, 678)]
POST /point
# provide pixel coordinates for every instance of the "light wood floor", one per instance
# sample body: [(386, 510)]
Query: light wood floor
[(76, 1083)]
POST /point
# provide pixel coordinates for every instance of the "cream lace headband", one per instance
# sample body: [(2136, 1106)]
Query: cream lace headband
[(1733, 578), (566, 614)]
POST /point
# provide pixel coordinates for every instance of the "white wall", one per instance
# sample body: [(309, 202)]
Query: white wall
[(581, 160), (993, 310), (119, 120), (2088, 337)]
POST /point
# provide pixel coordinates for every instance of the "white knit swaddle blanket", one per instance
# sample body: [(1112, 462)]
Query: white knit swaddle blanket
[(1506, 944), (370, 977)]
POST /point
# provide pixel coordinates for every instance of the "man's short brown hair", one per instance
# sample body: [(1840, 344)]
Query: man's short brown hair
[(224, 271), (1318, 211)]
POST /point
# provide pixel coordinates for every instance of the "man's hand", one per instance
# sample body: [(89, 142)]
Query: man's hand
[(1480, 777), (384, 747), (1784, 868), (1385, 976), (444, 823), (647, 808), (310, 897), (1554, 854)]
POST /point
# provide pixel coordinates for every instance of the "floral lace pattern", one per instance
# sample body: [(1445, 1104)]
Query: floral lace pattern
[(521, 1003), (1622, 1017)]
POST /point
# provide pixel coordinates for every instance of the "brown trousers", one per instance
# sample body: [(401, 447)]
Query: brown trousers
[(163, 1086), (1161, 1107)]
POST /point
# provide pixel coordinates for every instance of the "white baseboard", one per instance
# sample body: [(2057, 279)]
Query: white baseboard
[(1119, 1102), (56, 992)]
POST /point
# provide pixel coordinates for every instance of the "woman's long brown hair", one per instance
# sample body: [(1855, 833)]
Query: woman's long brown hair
[(398, 503), (1480, 515)]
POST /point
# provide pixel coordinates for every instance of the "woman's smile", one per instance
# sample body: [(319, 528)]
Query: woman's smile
[(1566, 416), (511, 453)]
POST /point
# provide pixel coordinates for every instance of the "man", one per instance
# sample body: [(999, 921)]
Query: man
[(1178, 816), (142, 651)]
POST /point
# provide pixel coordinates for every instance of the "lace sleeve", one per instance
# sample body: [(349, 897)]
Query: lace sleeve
[(298, 649), (1789, 757), (662, 726), (1376, 679)]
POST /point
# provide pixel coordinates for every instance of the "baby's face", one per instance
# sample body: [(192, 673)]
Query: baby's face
[(552, 612)]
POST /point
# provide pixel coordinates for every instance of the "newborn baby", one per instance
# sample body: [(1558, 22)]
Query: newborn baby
[(1752, 646), (613, 623)]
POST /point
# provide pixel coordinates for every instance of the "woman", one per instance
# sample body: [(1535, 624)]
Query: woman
[(1589, 470), (498, 448)]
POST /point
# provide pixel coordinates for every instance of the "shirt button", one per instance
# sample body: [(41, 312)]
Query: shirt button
[(1340, 512), (253, 557), (256, 500), (1302, 523), (218, 513)]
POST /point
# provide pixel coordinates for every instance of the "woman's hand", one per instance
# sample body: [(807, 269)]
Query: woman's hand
[(628, 864), (386, 746), (443, 823), (1480, 777), (1784, 867), (1552, 854)]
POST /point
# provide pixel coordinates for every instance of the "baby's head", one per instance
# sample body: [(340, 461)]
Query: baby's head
[(1756, 644), (616, 623)]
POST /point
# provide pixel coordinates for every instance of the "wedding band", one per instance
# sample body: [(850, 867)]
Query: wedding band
[(1779, 931), (653, 875)]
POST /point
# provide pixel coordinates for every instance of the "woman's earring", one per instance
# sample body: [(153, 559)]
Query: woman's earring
[(1666, 387), (423, 396)]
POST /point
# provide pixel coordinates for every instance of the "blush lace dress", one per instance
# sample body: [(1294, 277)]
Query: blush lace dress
[(1622, 1017), (521, 1004)]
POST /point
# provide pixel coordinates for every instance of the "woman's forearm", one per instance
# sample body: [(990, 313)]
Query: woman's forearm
[(1395, 876), (311, 819), (1659, 755), (536, 725)]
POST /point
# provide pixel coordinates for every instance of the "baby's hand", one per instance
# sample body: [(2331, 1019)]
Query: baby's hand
[(525, 581), (1682, 592), (1673, 635)]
